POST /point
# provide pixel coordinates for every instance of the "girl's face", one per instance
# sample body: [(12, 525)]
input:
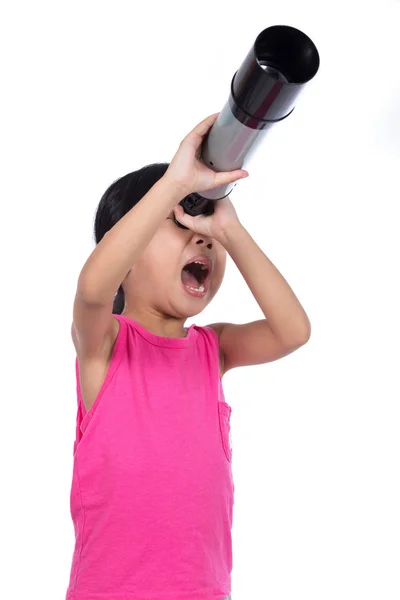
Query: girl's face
[(159, 280)]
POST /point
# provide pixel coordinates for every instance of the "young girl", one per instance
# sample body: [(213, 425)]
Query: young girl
[(152, 490)]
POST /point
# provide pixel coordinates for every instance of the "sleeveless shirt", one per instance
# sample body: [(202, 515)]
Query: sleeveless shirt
[(152, 489)]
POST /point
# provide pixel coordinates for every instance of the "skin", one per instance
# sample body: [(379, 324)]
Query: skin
[(156, 298), (154, 293)]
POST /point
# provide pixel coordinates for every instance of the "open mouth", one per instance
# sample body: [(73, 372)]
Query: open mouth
[(195, 277)]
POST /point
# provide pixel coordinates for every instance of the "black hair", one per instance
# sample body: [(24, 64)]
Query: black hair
[(117, 200)]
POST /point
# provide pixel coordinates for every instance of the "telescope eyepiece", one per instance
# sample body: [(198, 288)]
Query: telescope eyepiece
[(194, 205)]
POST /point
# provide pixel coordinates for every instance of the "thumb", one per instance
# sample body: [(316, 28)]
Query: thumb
[(230, 176), (183, 217)]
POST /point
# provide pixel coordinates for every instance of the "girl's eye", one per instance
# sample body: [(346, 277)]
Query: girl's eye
[(178, 224)]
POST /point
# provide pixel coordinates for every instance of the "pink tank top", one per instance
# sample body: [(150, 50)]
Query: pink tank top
[(152, 489)]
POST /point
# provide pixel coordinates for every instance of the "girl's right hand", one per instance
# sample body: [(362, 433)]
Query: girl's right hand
[(187, 170)]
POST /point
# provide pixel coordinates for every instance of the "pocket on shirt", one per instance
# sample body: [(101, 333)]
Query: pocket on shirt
[(224, 415)]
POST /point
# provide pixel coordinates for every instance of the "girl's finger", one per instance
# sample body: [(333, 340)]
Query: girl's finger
[(182, 217), (230, 177), (202, 128)]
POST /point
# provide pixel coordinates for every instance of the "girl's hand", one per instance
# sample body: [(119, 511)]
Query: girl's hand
[(215, 225), (188, 171)]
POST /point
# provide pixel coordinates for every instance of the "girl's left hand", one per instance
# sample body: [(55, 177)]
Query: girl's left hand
[(215, 225)]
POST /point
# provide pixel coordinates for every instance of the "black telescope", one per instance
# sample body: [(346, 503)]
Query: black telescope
[(263, 92)]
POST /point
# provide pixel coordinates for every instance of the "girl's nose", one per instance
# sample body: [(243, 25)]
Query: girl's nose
[(201, 241)]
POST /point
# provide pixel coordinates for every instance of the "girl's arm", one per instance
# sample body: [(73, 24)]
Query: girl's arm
[(114, 255), (286, 326)]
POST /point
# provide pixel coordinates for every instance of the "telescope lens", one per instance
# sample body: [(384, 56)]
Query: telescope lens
[(265, 87), (272, 71)]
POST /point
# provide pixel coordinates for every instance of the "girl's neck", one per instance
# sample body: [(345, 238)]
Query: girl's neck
[(160, 325)]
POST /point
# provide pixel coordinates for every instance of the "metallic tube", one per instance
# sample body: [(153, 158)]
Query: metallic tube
[(263, 91)]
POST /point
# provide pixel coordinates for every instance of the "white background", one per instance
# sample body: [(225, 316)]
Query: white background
[(93, 90)]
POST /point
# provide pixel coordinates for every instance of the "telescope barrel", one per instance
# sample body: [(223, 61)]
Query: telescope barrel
[(263, 91)]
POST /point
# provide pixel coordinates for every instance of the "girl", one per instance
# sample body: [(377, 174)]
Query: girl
[(152, 489)]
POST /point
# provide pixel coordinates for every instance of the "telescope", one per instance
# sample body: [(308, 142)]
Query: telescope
[(263, 92)]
